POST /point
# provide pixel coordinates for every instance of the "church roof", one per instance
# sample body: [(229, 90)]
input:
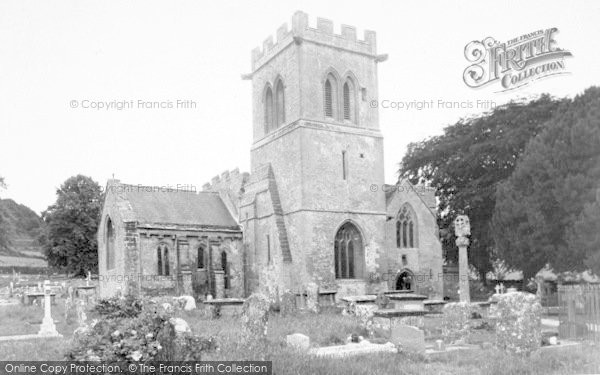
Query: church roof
[(153, 205)]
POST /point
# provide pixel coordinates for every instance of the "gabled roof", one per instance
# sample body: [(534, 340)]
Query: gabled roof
[(162, 206)]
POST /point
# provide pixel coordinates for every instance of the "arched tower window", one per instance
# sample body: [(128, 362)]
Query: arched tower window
[(268, 101), (201, 257), (225, 268), (279, 104), (348, 252), (406, 228), (330, 93), (349, 100), (162, 259), (110, 244)]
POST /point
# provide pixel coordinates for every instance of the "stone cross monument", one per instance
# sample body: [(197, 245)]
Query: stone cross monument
[(462, 229), (48, 328)]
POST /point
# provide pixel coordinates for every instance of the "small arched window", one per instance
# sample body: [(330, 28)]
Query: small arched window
[(225, 268), (330, 96), (201, 257), (162, 259), (268, 102), (110, 244), (279, 104), (406, 228), (349, 100)]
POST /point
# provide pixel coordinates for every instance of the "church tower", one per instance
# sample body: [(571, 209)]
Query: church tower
[(314, 209)]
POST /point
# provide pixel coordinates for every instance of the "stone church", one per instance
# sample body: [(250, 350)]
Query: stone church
[(314, 213)]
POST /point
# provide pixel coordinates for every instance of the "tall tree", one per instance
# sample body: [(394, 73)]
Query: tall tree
[(71, 224), (466, 163), (545, 208)]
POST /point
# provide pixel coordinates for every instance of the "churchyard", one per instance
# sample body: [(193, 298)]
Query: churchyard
[(347, 338)]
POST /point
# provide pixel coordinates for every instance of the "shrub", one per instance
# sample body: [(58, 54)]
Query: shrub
[(518, 322), (456, 320), (126, 337), (119, 307)]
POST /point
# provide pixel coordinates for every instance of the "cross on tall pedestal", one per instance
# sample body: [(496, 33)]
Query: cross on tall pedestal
[(462, 229), (48, 327)]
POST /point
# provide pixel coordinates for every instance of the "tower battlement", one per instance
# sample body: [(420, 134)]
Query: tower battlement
[(322, 34)]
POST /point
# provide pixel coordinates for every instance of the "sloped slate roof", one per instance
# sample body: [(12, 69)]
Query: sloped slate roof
[(170, 206)]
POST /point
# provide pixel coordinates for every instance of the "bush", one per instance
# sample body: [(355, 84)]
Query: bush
[(518, 322), (134, 331), (119, 307), (456, 320)]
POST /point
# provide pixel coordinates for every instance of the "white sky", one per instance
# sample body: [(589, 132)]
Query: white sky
[(52, 52)]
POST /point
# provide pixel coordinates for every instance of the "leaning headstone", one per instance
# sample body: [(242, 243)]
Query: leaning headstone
[(287, 305), (255, 318), (408, 338), (312, 297), (298, 341)]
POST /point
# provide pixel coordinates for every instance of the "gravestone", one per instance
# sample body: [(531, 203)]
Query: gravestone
[(298, 341), (255, 318), (288, 303), (81, 316), (189, 303), (312, 297), (409, 338), (180, 325), (48, 328)]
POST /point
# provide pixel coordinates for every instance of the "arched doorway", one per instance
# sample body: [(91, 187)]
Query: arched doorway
[(404, 281)]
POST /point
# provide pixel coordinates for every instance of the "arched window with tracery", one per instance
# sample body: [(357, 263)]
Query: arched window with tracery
[(162, 259), (110, 244), (406, 228), (279, 104), (348, 252)]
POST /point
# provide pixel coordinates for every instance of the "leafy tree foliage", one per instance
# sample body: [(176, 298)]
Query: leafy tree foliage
[(466, 163), (71, 224), (547, 211), (4, 242)]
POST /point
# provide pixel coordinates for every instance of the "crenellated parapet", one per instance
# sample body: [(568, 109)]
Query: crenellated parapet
[(227, 180), (322, 34)]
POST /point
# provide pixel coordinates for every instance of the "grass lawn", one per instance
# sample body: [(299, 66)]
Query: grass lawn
[(323, 329)]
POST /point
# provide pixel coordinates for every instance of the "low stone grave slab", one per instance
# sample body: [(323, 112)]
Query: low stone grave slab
[(409, 338), (434, 306), (30, 337), (563, 346), (227, 306), (327, 297), (407, 301), (387, 318), (449, 349), (399, 292), (361, 348)]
